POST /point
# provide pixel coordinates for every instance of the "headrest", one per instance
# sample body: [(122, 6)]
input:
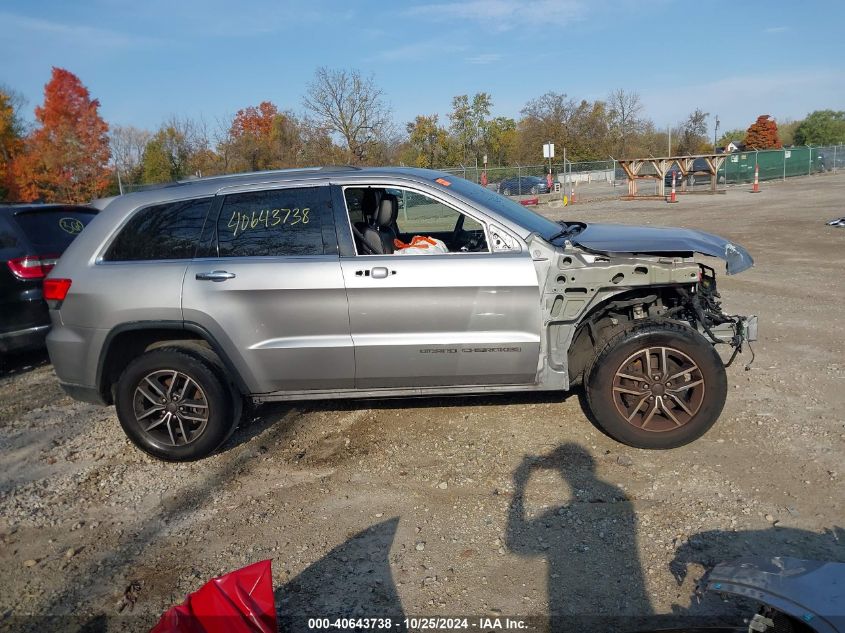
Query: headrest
[(369, 203), (387, 211)]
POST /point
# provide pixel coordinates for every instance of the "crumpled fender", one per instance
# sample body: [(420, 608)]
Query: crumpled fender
[(810, 591), (238, 602), (623, 238)]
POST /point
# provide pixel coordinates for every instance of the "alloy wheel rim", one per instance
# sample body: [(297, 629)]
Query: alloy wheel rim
[(170, 407), (658, 389)]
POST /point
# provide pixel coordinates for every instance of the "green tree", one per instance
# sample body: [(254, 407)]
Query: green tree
[(736, 135), (822, 127), (166, 156), (468, 121), (428, 141), (500, 139)]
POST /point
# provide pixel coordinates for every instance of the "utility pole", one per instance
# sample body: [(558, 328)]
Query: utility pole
[(670, 141), (715, 133)]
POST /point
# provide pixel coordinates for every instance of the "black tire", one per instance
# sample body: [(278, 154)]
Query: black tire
[(681, 411), (207, 419), (506, 191)]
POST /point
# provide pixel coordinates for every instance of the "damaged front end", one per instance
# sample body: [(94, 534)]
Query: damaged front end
[(697, 304), (797, 595), (721, 328)]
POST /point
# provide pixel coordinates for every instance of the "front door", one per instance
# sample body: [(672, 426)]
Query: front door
[(271, 291), (466, 317)]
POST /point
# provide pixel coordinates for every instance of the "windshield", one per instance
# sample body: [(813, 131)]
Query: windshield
[(513, 211)]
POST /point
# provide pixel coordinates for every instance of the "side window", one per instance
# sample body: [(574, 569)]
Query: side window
[(355, 205), (274, 223), (164, 231), (419, 214)]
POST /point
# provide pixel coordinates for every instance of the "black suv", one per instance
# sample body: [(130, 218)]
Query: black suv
[(32, 237)]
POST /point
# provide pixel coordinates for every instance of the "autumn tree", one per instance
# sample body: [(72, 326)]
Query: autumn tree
[(822, 127), (11, 140), (66, 157), (692, 137), (590, 132), (546, 118), (352, 107), (251, 136), (763, 134), (582, 127)]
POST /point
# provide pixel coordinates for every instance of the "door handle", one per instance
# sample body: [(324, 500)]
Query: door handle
[(379, 272), (215, 275)]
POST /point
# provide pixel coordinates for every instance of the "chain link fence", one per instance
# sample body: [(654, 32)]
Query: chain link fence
[(594, 180)]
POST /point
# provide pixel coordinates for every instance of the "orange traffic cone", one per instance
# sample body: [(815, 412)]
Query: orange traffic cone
[(572, 199), (756, 187), (673, 197)]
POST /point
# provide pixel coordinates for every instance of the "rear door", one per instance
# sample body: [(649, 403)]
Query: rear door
[(270, 290), (469, 317)]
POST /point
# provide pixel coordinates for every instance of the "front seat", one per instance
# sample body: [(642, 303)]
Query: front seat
[(369, 205), (381, 232)]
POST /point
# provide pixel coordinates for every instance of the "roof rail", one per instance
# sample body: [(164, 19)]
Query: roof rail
[(269, 172)]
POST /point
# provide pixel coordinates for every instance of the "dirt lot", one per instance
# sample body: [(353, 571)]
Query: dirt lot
[(470, 506)]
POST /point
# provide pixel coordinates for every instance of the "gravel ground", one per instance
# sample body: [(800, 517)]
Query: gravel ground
[(510, 506)]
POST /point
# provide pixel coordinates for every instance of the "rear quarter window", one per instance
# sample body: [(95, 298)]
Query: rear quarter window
[(52, 230), (164, 231), (7, 236)]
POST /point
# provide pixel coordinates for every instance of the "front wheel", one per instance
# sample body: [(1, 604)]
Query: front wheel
[(656, 386), (174, 406)]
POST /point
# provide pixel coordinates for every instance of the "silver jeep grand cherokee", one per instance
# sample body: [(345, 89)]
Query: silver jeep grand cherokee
[(178, 303)]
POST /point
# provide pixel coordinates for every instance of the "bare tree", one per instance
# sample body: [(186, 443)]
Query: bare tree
[(350, 106), (625, 113), (693, 133), (127, 149)]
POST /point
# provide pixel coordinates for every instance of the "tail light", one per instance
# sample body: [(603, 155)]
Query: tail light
[(32, 266), (56, 289)]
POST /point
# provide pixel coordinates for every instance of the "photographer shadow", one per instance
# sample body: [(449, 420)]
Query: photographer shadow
[(594, 576)]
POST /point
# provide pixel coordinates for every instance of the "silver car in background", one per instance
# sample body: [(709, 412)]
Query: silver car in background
[(179, 303)]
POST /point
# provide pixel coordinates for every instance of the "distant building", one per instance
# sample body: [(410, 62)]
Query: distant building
[(733, 146)]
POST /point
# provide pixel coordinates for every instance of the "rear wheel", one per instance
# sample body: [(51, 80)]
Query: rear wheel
[(506, 191), (174, 406), (657, 386)]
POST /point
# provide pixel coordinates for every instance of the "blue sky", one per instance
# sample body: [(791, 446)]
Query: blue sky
[(148, 59)]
